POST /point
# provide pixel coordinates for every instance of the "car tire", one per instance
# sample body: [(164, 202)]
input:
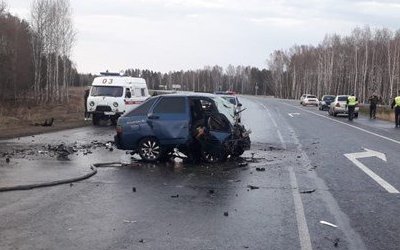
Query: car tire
[(355, 115), (149, 149), (334, 114), (114, 120)]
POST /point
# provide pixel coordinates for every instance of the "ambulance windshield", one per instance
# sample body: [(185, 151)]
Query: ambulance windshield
[(106, 91)]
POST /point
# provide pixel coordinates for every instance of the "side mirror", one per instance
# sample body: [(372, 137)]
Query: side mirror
[(128, 95), (239, 105)]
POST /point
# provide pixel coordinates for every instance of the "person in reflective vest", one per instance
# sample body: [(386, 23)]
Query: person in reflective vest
[(396, 106), (351, 106)]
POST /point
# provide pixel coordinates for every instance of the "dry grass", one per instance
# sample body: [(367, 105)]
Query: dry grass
[(382, 112), (24, 116)]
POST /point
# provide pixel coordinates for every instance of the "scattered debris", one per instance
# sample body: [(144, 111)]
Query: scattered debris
[(252, 187), (134, 189), (46, 123), (129, 221), (8, 160), (226, 213), (243, 164), (211, 191), (335, 241), (327, 223), (141, 241), (299, 156), (175, 196), (71, 184), (307, 191), (260, 169), (312, 168)]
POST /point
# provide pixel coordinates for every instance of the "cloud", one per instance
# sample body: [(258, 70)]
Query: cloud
[(188, 34)]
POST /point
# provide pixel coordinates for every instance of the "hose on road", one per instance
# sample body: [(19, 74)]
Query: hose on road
[(93, 169)]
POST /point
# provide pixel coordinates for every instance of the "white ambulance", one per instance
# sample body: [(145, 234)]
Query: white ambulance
[(112, 95)]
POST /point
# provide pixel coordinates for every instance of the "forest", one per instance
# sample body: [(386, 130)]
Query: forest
[(362, 63), (35, 65)]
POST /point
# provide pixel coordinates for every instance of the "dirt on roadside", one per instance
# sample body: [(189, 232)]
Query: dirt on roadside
[(23, 120)]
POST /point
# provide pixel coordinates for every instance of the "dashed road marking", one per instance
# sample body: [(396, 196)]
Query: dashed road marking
[(304, 234)]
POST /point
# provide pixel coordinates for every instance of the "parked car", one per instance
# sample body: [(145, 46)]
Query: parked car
[(339, 106), (309, 100), (201, 126), (234, 100), (326, 102)]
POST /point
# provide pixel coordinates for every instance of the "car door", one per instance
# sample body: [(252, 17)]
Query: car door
[(169, 120)]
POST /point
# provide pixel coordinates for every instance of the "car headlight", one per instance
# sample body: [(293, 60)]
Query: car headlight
[(115, 104), (323, 103), (91, 103)]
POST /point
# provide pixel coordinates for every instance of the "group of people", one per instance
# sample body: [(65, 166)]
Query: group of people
[(374, 100)]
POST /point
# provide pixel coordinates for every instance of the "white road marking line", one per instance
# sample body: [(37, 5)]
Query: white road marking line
[(304, 234), (371, 153), (361, 129), (293, 114)]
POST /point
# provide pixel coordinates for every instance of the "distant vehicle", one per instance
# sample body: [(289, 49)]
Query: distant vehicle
[(309, 100), (235, 102), (227, 92), (196, 124), (339, 106), (326, 102), (112, 95)]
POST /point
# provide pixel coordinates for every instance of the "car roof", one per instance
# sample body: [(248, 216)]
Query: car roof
[(190, 94)]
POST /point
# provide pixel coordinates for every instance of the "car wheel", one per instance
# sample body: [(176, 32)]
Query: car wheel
[(334, 114), (149, 149), (355, 115)]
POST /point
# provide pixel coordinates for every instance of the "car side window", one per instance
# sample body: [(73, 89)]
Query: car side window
[(170, 105), (143, 109)]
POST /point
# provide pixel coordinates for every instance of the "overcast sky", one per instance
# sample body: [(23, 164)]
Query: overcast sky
[(166, 35)]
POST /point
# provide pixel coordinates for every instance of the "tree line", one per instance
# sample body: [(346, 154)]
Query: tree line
[(35, 60), (240, 79), (362, 63)]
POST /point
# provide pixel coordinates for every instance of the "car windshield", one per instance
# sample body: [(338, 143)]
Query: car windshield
[(112, 91), (230, 99), (225, 107), (342, 98), (311, 96), (328, 98)]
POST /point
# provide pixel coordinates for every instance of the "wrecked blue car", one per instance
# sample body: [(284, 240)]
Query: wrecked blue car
[(201, 126)]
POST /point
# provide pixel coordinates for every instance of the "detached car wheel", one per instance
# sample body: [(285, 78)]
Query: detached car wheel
[(149, 149)]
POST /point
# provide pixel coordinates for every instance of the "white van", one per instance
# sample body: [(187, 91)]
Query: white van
[(112, 95)]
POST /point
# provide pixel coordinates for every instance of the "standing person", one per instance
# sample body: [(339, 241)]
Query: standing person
[(87, 90), (396, 105), (351, 105), (373, 101)]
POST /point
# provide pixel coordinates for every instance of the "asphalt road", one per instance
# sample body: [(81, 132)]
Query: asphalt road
[(311, 175)]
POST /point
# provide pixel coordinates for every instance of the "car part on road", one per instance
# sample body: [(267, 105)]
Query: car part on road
[(327, 223)]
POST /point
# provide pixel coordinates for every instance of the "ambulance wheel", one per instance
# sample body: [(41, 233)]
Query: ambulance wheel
[(114, 120), (95, 119)]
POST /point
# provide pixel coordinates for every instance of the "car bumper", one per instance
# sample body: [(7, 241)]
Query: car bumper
[(344, 110)]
